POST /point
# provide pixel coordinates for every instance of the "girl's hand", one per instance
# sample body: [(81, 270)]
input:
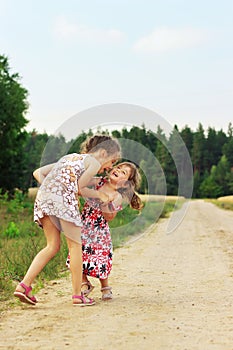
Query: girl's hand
[(41, 173)]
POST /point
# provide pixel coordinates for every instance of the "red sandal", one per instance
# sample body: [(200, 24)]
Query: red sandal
[(24, 297), (85, 301)]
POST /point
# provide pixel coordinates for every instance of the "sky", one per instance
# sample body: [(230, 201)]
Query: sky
[(173, 57)]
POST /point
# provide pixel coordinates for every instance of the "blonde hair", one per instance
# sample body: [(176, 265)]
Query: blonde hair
[(97, 142), (132, 184)]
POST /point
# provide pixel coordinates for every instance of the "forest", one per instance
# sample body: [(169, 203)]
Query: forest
[(210, 151)]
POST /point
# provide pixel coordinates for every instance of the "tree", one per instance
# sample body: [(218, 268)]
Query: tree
[(164, 159), (211, 149), (198, 150), (76, 144), (187, 136), (222, 175), (56, 147), (219, 182), (13, 106), (33, 151), (209, 187), (228, 146)]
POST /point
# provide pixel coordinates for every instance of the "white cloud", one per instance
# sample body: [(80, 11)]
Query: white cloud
[(66, 30), (168, 39)]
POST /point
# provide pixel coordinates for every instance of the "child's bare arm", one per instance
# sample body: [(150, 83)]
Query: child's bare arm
[(93, 183), (109, 216), (92, 168), (40, 173), (110, 209)]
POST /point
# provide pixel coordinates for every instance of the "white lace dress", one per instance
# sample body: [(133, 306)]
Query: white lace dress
[(58, 194)]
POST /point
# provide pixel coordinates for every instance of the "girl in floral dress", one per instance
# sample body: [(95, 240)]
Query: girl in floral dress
[(97, 247), (56, 209)]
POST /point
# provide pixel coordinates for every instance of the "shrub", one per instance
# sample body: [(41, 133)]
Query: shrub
[(11, 231)]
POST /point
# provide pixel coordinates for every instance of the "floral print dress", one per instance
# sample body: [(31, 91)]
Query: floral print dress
[(96, 240), (58, 193)]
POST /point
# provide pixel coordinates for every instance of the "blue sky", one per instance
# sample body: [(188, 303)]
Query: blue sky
[(171, 56)]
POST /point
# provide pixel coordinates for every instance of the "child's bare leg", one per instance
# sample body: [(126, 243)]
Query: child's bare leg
[(73, 236), (52, 235), (76, 266), (104, 282), (75, 249), (85, 279)]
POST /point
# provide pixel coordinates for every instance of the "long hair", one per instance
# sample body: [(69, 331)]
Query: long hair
[(132, 184)]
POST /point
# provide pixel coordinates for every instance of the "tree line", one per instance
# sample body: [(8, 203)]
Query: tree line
[(159, 156)]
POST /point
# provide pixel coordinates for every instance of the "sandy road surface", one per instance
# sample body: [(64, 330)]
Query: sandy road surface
[(170, 292)]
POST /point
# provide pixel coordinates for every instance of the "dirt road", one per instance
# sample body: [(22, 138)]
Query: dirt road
[(171, 292)]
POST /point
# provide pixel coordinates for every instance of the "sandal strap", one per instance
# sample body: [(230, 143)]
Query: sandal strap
[(81, 297), (27, 289), (105, 288)]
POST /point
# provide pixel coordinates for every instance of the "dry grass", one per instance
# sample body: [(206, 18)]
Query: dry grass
[(144, 197), (158, 198), (226, 199), (32, 191), (224, 202)]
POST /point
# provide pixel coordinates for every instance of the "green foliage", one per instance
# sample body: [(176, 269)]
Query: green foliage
[(33, 151), (161, 158), (227, 147), (19, 253), (6, 286), (209, 188), (187, 136), (76, 144), (219, 182), (197, 155), (11, 231), (13, 105), (20, 240), (55, 148)]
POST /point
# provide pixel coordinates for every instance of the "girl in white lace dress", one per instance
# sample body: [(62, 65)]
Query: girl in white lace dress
[(56, 209)]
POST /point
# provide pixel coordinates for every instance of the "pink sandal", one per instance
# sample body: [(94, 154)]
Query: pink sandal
[(24, 297), (85, 301)]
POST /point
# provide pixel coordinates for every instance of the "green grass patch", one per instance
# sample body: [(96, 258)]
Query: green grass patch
[(20, 240)]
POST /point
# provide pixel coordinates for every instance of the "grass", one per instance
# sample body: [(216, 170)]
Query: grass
[(224, 204), (21, 239)]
